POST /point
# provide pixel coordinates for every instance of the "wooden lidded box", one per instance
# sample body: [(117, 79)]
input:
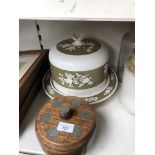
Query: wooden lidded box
[(65, 125)]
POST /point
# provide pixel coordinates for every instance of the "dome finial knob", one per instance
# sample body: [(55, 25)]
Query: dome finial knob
[(77, 39)]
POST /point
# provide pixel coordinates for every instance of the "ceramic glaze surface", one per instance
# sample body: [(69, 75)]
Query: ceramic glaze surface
[(76, 62), (79, 65), (84, 92)]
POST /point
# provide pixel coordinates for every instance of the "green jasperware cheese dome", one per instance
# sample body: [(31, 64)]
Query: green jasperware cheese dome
[(79, 65)]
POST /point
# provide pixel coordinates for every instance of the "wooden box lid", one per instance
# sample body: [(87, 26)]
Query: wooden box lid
[(65, 123)]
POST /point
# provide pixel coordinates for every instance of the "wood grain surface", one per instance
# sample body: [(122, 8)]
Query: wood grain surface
[(31, 74)]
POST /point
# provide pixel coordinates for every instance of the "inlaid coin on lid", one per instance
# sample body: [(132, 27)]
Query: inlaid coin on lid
[(65, 129)]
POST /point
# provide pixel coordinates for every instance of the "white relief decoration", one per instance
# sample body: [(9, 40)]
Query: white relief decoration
[(108, 90), (77, 79), (71, 47), (50, 90), (90, 44), (91, 99), (105, 68), (64, 45), (67, 46), (89, 49), (112, 77)]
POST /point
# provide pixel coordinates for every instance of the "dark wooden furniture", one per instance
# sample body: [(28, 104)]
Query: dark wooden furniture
[(58, 139), (31, 80)]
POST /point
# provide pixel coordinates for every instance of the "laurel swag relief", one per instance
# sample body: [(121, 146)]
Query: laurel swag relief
[(76, 79)]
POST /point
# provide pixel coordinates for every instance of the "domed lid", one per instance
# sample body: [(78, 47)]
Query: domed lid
[(79, 54), (65, 123)]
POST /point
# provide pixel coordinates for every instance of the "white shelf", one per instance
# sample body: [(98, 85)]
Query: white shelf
[(115, 128), (28, 37), (85, 10)]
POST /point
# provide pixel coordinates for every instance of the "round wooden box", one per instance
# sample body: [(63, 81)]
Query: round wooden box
[(65, 125)]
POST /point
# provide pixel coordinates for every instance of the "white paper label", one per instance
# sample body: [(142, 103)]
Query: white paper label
[(67, 127)]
